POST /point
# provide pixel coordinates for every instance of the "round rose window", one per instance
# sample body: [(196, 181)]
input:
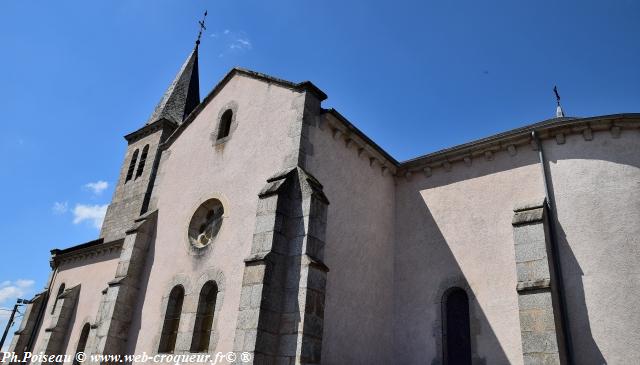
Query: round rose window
[(205, 223)]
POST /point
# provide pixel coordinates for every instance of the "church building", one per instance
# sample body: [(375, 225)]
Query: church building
[(257, 221)]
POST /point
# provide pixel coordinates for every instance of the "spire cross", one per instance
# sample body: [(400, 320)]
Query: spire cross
[(559, 111), (202, 27)]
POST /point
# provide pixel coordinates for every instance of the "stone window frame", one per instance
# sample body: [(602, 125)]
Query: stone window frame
[(437, 329), (200, 251), (184, 281), (233, 106), (84, 325), (142, 162), (189, 308), (217, 277), (131, 170), (176, 296)]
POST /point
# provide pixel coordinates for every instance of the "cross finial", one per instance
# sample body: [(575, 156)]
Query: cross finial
[(555, 90), (559, 111), (202, 27)]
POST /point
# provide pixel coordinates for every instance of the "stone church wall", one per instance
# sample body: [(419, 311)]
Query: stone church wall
[(129, 196), (91, 273), (453, 229), (358, 251), (596, 186), (397, 238), (196, 167)]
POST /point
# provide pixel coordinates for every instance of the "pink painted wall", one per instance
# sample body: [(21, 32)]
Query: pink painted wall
[(92, 274), (454, 229), (358, 251), (193, 170), (597, 191)]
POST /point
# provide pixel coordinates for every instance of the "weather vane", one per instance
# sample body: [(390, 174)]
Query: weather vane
[(559, 111), (555, 90), (202, 27)]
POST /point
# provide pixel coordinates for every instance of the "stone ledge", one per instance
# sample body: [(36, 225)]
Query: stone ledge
[(316, 263), (140, 221), (116, 281), (525, 286), (528, 217), (529, 205), (258, 258)]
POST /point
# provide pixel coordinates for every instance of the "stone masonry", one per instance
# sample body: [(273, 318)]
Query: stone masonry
[(282, 301), (118, 302), (56, 330), (537, 295), (398, 235)]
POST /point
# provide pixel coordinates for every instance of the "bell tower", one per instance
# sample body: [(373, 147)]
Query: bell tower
[(138, 171)]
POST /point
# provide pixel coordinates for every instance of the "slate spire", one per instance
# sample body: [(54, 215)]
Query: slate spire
[(183, 95)]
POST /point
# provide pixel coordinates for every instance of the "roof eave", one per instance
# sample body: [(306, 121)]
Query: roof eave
[(58, 255), (504, 138), (148, 128)]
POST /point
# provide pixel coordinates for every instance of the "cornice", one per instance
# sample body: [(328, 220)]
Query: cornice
[(84, 251), (149, 129), (511, 141), (341, 129)]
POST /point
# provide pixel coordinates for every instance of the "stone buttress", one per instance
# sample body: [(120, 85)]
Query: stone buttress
[(540, 322), (281, 312)]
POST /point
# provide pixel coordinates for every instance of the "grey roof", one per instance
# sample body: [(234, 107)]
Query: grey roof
[(182, 96)]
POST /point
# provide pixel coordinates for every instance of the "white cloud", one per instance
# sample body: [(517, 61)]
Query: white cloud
[(240, 43), (10, 291), (97, 187), (25, 283), (60, 207), (232, 41), (92, 213)]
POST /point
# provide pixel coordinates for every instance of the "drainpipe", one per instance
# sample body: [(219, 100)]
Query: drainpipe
[(550, 201)]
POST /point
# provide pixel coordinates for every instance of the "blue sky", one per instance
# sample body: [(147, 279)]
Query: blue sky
[(415, 76)]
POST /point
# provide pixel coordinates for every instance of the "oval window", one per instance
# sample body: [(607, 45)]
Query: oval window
[(205, 223)]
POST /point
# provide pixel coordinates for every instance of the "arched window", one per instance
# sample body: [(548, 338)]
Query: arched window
[(143, 160), (132, 165), (204, 318), (456, 331), (225, 124), (171, 320), (82, 342), (55, 302)]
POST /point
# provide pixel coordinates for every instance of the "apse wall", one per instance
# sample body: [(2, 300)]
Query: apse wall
[(596, 188)]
